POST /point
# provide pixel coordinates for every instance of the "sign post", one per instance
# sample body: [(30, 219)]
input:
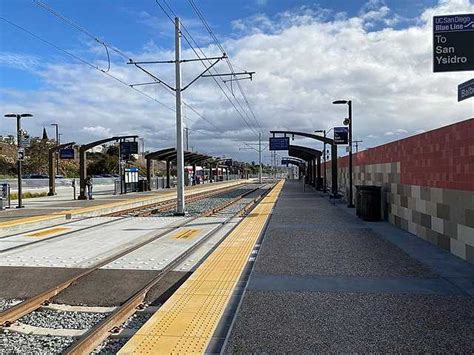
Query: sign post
[(453, 38)]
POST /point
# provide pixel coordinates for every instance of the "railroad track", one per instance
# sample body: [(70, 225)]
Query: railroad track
[(143, 211), (97, 334), (167, 205)]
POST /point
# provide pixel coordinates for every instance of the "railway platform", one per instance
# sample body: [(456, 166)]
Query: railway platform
[(325, 281), (47, 211), (302, 274)]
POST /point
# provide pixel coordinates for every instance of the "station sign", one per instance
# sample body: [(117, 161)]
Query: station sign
[(466, 90), (279, 143), (128, 148), (453, 38), (341, 135), (67, 153)]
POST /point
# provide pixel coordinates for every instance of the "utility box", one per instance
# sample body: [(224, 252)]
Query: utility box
[(369, 202)]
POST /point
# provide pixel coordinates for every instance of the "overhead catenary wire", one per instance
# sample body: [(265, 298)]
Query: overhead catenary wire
[(188, 40), (121, 53), (85, 62), (216, 41)]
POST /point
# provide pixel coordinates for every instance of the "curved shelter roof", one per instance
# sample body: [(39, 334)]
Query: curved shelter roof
[(293, 161), (304, 153), (170, 154)]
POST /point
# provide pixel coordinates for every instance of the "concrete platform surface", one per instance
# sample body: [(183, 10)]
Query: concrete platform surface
[(325, 281), (51, 210)]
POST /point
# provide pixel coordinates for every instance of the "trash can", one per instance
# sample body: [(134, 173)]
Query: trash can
[(142, 185), (368, 202)]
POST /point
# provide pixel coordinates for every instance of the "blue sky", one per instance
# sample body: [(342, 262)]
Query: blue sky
[(131, 25), (305, 53)]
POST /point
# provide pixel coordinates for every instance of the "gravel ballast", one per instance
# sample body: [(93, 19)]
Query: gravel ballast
[(110, 346), (15, 343), (62, 320), (7, 303), (137, 320)]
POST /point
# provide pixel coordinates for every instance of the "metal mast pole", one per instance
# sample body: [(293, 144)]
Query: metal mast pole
[(350, 154), (179, 122), (260, 158), (57, 153), (325, 160), (19, 162)]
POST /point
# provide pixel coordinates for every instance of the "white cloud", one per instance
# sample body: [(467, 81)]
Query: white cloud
[(304, 60), (98, 131)]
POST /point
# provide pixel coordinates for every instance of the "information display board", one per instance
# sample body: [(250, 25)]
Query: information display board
[(341, 135), (279, 143), (67, 153), (453, 38), (128, 148)]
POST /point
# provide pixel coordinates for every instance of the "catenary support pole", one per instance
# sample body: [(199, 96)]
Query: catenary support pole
[(19, 161), (260, 158), (179, 123), (351, 204)]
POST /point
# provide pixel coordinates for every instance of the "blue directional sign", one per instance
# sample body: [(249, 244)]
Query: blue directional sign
[(66, 153), (279, 143), (466, 90), (453, 38), (341, 135)]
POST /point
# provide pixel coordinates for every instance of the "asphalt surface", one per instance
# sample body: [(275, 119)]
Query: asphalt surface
[(324, 281)]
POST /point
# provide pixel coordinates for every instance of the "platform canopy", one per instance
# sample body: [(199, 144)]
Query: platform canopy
[(305, 153), (169, 154)]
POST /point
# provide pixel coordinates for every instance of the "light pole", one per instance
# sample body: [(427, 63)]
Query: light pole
[(56, 125), (349, 104), (20, 157), (323, 131)]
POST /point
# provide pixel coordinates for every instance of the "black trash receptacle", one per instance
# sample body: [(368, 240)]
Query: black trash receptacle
[(142, 185), (369, 202)]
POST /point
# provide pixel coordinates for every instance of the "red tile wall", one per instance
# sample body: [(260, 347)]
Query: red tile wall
[(443, 157)]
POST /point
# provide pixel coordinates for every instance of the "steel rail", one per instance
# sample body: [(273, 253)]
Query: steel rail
[(101, 331), (17, 311), (165, 206)]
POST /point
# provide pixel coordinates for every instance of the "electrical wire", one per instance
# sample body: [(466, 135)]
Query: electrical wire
[(202, 60), (119, 52), (84, 61), (216, 41)]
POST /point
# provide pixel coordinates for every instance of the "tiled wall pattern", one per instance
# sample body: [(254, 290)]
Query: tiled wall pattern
[(427, 182)]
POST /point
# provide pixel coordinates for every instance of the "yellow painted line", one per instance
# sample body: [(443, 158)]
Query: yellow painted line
[(157, 197), (186, 234), (188, 320), (47, 232)]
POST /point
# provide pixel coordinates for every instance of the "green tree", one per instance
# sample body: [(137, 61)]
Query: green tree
[(36, 160)]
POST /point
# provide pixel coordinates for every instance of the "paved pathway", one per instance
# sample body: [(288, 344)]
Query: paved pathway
[(326, 281)]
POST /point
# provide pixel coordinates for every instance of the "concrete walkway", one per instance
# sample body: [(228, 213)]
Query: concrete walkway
[(325, 281)]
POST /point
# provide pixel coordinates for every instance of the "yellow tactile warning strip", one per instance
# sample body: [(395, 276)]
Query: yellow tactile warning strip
[(47, 232), (187, 321), (154, 197), (186, 233)]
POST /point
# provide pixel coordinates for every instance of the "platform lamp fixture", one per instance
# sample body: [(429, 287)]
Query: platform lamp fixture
[(348, 121), (20, 152)]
